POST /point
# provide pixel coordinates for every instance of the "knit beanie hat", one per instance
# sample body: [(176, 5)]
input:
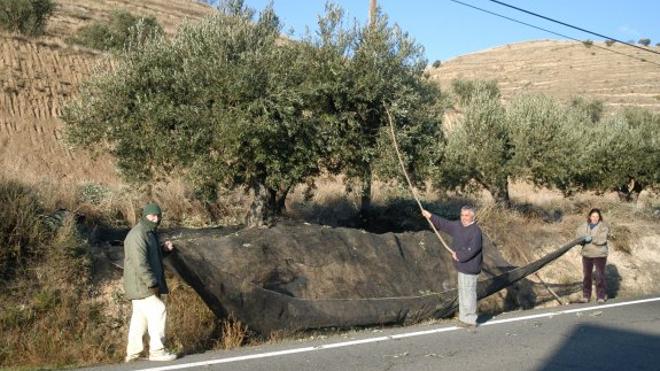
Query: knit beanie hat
[(152, 208)]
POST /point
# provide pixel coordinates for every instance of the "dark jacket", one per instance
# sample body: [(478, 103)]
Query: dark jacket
[(466, 243), (143, 263)]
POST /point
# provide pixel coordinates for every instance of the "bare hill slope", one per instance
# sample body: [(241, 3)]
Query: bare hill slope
[(563, 69), (37, 76)]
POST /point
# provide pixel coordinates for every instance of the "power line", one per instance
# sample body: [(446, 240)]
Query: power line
[(571, 26), (550, 31)]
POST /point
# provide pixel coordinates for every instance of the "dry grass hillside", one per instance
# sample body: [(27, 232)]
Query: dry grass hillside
[(563, 69), (72, 14), (37, 76)]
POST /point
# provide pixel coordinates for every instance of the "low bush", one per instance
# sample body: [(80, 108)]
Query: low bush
[(22, 235), (122, 28), (28, 17)]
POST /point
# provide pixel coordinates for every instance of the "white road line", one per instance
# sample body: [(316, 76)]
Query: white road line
[(391, 337)]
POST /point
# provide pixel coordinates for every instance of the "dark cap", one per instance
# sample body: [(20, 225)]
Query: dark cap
[(152, 208)]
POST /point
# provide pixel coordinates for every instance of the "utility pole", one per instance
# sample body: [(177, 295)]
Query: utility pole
[(372, 12)]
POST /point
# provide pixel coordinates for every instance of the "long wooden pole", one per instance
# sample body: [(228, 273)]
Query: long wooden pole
[(405, 173), (373, 5)]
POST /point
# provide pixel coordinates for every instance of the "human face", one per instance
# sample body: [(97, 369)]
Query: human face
[(467, 217), (594, 218), (153, 218)]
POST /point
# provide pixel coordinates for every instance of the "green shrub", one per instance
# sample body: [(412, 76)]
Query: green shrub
[(28, 17), (93, 193), (593, 109), (644, 41), (123, 28), (466, 89), (609, 42), (588, 43), (437, 63), (22, 234)]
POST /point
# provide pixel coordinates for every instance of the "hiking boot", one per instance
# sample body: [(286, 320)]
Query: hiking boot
[(601, 301), (162, 355), (132, 357)]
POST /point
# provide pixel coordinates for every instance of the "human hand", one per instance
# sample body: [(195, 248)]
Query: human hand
[(587, 239), (168, 245), (426, 214), (453, 255)]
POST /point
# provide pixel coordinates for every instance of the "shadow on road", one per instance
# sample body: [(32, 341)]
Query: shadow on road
[(591, 347), (613, 280)]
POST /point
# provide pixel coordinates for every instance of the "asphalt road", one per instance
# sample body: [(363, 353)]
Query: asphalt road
[(623, 335)]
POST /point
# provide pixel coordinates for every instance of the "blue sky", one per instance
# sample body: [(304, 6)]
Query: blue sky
[(447, 29)]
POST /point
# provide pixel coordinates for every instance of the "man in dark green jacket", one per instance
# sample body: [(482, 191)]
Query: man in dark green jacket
[(144, 282)]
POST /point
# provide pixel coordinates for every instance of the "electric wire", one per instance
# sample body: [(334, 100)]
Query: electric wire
[(552, 32), (571, 26)]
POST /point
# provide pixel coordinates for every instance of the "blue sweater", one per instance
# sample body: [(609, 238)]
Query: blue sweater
[(466, 243)]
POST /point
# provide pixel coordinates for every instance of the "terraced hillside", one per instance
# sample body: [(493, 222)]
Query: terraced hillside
[(37, 76), (72, 14), (563, 69)]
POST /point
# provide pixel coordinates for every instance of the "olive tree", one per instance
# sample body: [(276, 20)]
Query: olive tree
[(479, 148), (382, 67), (624, 154), (534, 138), (547, 141), (223, 103)]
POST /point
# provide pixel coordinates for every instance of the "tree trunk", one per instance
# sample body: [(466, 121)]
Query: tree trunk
[(630, 192), (500, 192), (258, 215), (277, 200), (365, 195), (266, 205)]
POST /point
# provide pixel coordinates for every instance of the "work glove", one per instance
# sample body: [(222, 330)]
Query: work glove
[(587, 239)]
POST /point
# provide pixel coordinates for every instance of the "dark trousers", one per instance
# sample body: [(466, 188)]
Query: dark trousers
[(601, 284)]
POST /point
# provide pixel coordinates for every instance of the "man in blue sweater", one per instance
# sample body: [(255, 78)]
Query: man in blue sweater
[(467, 255)]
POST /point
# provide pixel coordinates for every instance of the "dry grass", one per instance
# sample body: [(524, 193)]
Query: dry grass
[(191, 326), (47, 317), (234, 333), (92, 317)]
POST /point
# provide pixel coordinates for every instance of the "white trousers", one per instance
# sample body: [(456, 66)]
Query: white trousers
[(467, 298), (149, 315)]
